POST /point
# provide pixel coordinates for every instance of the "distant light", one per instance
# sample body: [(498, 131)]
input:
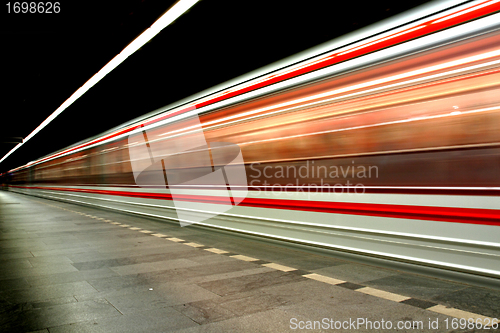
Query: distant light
[(455, 107), (455, 113), (171, 15)]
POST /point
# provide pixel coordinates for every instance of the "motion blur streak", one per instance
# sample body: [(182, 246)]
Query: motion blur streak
[(245, 90), (359, 86), (394, 154)]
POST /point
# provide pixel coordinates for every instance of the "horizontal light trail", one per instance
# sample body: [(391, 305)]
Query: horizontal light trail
[(483, 56)]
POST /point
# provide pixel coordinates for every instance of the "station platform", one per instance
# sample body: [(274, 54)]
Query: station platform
[(71, 268)]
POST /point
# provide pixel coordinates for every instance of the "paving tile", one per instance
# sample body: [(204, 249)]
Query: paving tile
[(159, 235), (215, 250), (162, 295), (350, 305), (15, 264), (415, 286), (382, 294), (130, 235), (43, 293), (66, 277), (50, 269), (75, 250), (323, 278), (153, 320), (83, 262), (53, 302), (351, 286), (36, 271), (271, 321), (419, 303), (199, 271), (279, 267), (244, 258), (13, 284), (45, 260), (473, 299), (206, 276), (90, 265), (294, 292), (269, 253), (153, 266), (250, 282), (208, 259), (132, 302), (116, 283), (249, 303), (203, 312), (59, 315), (16, 255), (355, 273), (20, 249), (311, 262)]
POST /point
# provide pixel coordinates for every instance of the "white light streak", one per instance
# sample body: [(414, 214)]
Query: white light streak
[(465, 11), (171, 15)]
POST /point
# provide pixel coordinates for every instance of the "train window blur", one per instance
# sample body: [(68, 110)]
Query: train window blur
[(430, 128)]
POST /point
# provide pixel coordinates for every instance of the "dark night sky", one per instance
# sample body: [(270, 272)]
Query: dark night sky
[(46, 57)]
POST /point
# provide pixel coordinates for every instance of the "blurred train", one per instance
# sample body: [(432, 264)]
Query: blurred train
[(386, 146)]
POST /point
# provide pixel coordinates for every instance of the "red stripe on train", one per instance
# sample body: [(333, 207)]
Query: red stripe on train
[(445, 214)]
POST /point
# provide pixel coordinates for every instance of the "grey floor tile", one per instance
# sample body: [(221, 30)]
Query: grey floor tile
[(116, 283), (96, 264), (46, 260), (355, 273), (200, 272), (204, 312), (370, 309), (272, 321), (53, 302), (311, 262), (89, 255), (13, 284), (154, 320), (67, 277), (60, 315), (250, 282), (160, 296), (43, 293), (415, 286), (204, 257), (153, 266), (66, 252), (228, 275), (473, 299), (294, 292), (16, 255), (252, 302), (50, 269)]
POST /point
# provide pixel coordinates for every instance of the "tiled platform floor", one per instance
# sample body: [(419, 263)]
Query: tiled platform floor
[(67, 272)]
